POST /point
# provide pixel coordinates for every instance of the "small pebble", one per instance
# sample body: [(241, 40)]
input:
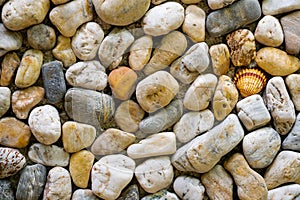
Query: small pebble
[(84, 194), (190, 1), (292, 141), (41, 37), (7, 191), (161, 195), (9, 40), (275, 7), (218, 4), (10, 63), (188, 188), (291, 192), (131, 193), (4, 100), (220, 58), (63, 51)]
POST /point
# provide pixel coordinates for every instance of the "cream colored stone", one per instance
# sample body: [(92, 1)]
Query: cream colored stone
[(9, 40), (4, 100), (188, 188), (218, 4), (63, 51), (220, 58), (287, 192), (56, 2), (292, 82), (275, 7)]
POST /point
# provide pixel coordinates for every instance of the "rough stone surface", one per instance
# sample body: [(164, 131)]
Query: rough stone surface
[(9, 40), (218, 4), (41, 37), (11, 162), (288, 192), (7, 191), (163, 194), (293, 84), (63, 51), (220, 58), (271, 7), (84, 194), (292, 141), (188, 188), (4, 100), (10, 63)]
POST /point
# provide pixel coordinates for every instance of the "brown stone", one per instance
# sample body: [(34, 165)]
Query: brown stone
[(63, 51), (10, 63)]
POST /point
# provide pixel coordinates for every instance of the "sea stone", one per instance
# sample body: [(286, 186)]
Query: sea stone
[(44, 122), (14, 133), (63, 51), (59, 185), (29, 69), (68, 17), (220, 58), (131, 193), (128, 116), (111, 174), (4, 100), (41, 37), (180, 72), (9, 40), (114, 46), (204, 152), (48, 155), (269, 32), (250, 184), (275, 7), (18, 15), (88, 74), (253, 112), (77, 136), (188, 188), (277, 62), (11, 162), (194, 23), (163, 194), (156, 91), (225, 97), (293, 84), (192, 124), (159, 144), (87, 40), (155, 174), (6, 187), (112, 141), (84, 194), (292, 141), (10, 63), (291, 192), (80, 167), (280, 105), (242, 45), (162, 119), (24, 100), (54, 81), (200, 93), (32, 180), (257, 154), (218, 183), (284, 169), (163, 18), (170, 48), (241, 13), (291, 25), (218, 4)]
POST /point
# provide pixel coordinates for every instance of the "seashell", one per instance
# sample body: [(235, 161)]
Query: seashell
[(11, 161), (250, 81)]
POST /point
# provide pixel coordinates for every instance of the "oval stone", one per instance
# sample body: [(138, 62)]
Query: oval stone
[(275, 7), (4, 100), (220, 58), (291, 28), (292, 141), (291, 191), (218, 4), (41, 37), (84, 194), (11, 162), (10, 63), (188, 188), (9, 40)]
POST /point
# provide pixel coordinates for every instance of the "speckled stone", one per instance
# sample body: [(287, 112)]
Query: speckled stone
[(220, 58), (218, 4), (63, 51), (188, 188), (291, 191), (4, 100), (41, 37), (275, 7), (292, 141), (32, 180), (131, 193), (11, 162), (7, 191), (84, 194), (163, 194), (9, 64), (9, 40)]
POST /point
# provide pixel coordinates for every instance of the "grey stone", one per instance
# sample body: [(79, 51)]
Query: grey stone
[(292, 141), (287, 192), (131, 193), (41, 37), (275, 7), (84, 194), (161, 195), (6, 190), (9, 40), (4, 100)]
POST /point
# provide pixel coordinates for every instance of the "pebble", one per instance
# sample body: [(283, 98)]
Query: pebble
[(111, 174), (242, 45), (204, 152), (131, 193), (170, 48), (112, 141), (218, 183), (32, 180), (9, 40), (10, 63), (250, 184), (88, 74), (162, 119), (155, 174), (87, 40), (180, 72), (156, 91), (29, 69), (7, 191), (218, 4), (159, 144), (291, 192), (54, 81), (11, 162), (292, 141), (284, 169), (122, 82), (4, 100), (188, 188), (225, 97), (220, 58), (100, 105), (114, 46), (84, 194), (57, 2), (157, 2), (291, 25), (80, 167), (253, 112), (275, 7), (18, 15), (41, 37), (269, 31), (48, 155), (277, 62), (190, 1), (280, 105), (239, 14), (58, 184), (14, 133), (163, 18), (194, 23), (192, 124), (128, 116), (44, 122), (161, 195), (200, 93), (77, 136), (22, 101), (63, 51)]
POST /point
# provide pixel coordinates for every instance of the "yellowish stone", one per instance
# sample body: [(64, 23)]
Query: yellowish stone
[(63, 51), (220, 58), (9, 65)]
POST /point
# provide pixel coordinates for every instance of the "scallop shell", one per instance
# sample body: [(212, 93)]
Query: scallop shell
[(250, 81)]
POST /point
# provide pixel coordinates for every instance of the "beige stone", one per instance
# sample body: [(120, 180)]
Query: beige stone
[(218, 4), (56, 2), (188, 188), (292, 82), (63, 51), (275, 7), (220, 58), (10, 63), (4, 100), (190, 1), (291, 191)]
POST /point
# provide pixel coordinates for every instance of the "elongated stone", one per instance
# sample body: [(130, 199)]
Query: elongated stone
[(220, 58), (11, 162), (7, 191), (4, 100), (292, 141), (163, 194), (63, 51), (293, 84), (84, 194), (188, 188), (291, 191), (9, 40), (275, 7), (9, 64)]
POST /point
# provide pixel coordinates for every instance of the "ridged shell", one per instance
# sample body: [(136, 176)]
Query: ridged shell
[(250, 81)]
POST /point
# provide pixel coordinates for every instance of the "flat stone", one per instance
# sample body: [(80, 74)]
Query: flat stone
[(241, 13), (271, 7), (155, 174), (11, 162), (220, 58), (32, 180), (163, 194), (48, 155), (63, 51), (292, 82), (291, 191), (10, 63), (218, 4), (131, 193), (9, 40), (292, 141), (188, 188), (14, 133), (4, 100), (7, 191), (41, 37), (84, 194)]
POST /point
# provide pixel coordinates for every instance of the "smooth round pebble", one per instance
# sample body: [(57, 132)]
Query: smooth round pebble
[(4, 100), (188, 188), (41, 37), (84, 194), (218, 4), (9, 40)]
